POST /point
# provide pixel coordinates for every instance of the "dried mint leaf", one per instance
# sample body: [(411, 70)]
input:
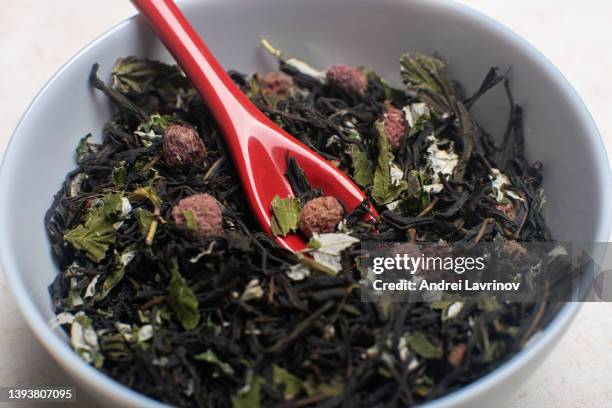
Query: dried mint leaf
[(420, 344), (286, 215), (290, 383), (252, 397), (383, 190), (94, 237), (364, 176), (182, 300), (209, 356)]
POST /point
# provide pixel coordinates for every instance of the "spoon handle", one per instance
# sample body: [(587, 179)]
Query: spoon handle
[(230, 107)]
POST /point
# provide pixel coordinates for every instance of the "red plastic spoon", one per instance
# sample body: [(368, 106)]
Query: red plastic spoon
[(258, 146)]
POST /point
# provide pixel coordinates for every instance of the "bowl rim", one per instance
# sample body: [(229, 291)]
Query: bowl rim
[(105, 385)]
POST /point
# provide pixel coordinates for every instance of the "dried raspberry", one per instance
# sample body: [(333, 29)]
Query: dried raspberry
[(514, 249), (276, 84), (320, 215), (509, 210), (394, 125), (349, 78), (456, 354), (206, 211), (182, 146)]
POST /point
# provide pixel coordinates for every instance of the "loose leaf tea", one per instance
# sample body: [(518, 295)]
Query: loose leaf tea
[(188, 302)]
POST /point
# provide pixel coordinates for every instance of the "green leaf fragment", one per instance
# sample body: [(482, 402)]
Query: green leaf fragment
[(182, 300), (252, 397), (314, 244), (209, 356), (143, 219), (113, 204), (119, 175), (150, 194), (332, 389), (364, 176), (384, 190), (84, 148), (290, 383), (190, 219), (286, 215), (116, 274), (420, 344), (94, 237), (423, 385)]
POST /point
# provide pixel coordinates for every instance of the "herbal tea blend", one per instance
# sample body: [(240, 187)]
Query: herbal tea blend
[(168, 286)]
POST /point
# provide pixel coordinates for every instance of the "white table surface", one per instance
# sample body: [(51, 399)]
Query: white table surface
[(36, 37)]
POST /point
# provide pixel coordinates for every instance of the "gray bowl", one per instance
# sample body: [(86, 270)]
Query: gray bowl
[(559, 130)]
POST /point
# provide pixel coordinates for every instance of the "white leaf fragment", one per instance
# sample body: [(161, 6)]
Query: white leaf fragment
[(403, 349), (145, 333), (91, 288), (61, 319), (439, 161), (298, 272), (498, 181), (126, 207), (556, 252), (396, 174), (252, 291), (136, 334), (306, 69), (74, 297), (77, 183), (332, 244), (454, 309), (414, 112), (127, 257), (84, 340)]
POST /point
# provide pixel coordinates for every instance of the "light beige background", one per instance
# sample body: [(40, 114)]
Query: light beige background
[(36, 37)]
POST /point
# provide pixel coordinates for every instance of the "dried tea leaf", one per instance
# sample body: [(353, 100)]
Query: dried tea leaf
[(286, 213), (209, 356), (363, 169), (116, 274), (136, 75), (420, 344), (384, 190), (290, 383), (94, 237), (295, 65), (182, 300)]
